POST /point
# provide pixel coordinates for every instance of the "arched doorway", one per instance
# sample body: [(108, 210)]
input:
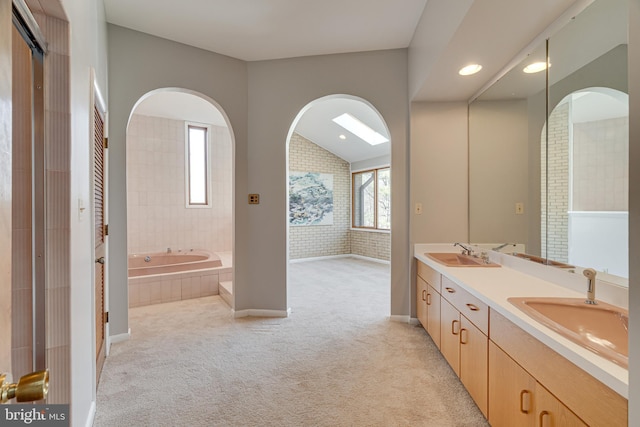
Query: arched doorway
[(179, 198), (339, 189)]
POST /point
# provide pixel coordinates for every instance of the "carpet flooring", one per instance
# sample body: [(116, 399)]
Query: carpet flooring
[(336, 361)]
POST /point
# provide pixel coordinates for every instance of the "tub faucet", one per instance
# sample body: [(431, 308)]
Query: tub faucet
[(168, 250), (590, 274), (465, 250)]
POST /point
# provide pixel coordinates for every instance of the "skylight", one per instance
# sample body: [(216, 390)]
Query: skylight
[(359, 129)]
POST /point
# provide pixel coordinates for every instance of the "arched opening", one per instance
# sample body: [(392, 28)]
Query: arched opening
[(585, 217), (180, 223), (338, 184)]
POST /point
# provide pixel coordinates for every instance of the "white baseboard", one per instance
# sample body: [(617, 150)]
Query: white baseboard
[(401, 319), (320, 258), (261, 313), (92, 415), (120, 337), (414, 321)]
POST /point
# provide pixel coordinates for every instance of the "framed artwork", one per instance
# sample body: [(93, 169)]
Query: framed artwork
[(310, 198)]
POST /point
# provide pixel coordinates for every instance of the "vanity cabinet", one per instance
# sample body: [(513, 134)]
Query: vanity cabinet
[(517, 399), (515, 379), (428, 301), (464, 340)]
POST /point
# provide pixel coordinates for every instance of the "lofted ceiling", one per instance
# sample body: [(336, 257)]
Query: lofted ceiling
[(441, 35)]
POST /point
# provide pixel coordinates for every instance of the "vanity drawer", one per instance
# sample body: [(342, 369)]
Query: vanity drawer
[(468, 305), (429, 275)]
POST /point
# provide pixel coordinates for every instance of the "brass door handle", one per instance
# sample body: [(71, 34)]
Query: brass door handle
[(31, 387), (100, 260)]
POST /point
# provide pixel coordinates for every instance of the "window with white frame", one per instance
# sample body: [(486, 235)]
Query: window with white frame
[(197, 165), (371, 204)]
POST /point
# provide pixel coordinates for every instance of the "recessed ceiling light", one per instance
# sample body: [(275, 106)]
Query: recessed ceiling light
[(342, 137), (470, 69), (359, 129), (535, 67)]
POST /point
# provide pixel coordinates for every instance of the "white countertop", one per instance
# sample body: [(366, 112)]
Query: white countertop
[(494, 285)]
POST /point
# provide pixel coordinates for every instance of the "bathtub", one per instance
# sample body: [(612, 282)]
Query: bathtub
[(163, 262), (167, 277)]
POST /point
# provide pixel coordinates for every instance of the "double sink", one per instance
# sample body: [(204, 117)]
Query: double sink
[(601, 328)]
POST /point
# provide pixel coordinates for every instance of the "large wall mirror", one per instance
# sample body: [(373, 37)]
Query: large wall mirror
[(548, 148)]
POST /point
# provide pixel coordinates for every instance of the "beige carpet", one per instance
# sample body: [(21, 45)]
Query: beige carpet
[(336, 361)]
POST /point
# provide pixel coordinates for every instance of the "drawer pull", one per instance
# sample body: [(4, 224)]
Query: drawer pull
[(542, 415), (522, 405), (473, 307), (451, 290), (453, 327), (424, 295), (428, 299)]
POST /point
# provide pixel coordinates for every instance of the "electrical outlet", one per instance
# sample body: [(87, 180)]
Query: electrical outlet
[(519, 208), (418, 208)]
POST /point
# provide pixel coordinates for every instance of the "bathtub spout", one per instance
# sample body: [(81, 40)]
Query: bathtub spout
[(168, 250)]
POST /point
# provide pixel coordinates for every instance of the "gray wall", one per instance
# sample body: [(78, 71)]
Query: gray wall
[(261, 99), (439, 175), (634, 212), (498, 172), (278, 90), (138, 64)]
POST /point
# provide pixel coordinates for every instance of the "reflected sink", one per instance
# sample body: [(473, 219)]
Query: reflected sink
[(602, 328), (453, 259), (541, 260)]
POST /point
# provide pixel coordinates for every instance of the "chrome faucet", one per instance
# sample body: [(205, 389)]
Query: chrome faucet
[(465, 250), (168, 250), (590, 274)]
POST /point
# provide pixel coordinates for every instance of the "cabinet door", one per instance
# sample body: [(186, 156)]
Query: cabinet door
[(450, 334), (433, 314), (511, 391), (474, 363), (552, 413), (421, 301)]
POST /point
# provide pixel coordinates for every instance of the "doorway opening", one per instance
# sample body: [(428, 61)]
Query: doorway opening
[(179, 199), (338, 182)]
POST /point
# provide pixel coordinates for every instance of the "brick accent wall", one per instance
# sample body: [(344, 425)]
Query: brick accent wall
[(371, 244), (157, 217), (557, 222), (321, 240)]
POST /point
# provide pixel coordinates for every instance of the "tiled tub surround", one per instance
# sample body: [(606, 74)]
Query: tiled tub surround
[(176, 286), (521, 278), (156, 214)]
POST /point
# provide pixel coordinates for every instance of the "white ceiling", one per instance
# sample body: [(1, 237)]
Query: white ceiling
[(352, 149), (451, 34), (271, 29)]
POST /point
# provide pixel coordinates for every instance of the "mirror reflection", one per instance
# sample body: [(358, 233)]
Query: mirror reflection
[(560, 187)]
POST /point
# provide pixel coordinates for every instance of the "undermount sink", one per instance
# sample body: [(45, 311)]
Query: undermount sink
[(602, 328), (453, 259)]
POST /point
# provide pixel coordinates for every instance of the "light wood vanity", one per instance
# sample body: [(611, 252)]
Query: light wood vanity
[(515, 379)]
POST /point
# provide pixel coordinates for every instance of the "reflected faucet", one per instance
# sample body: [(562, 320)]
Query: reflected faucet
[(504, 245), (590, 274), (465, 250)]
